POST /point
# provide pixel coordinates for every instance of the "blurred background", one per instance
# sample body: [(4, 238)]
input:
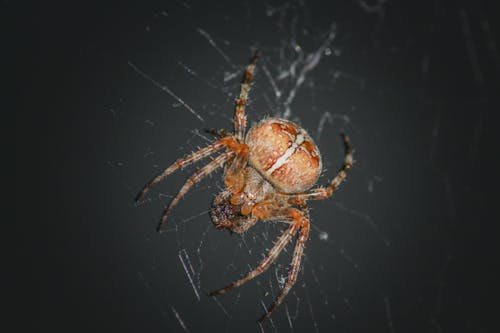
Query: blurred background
[(109, 95)]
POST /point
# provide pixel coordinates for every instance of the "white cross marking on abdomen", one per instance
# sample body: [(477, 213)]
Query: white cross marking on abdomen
[(283, 158)]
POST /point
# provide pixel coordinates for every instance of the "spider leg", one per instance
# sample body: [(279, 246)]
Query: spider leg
[(325, 192), (279, 245), (217, 132), (196, 177), (229, 142), (234, 178), (182, 162), (299, 221), (294, 267), (240, 119)]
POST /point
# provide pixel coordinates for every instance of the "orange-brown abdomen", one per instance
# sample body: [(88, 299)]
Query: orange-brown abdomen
[(284, 154)]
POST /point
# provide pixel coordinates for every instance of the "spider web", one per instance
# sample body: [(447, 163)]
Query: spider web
[(312, 71)]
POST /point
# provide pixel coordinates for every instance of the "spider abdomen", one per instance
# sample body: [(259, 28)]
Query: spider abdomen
[(284, 154)]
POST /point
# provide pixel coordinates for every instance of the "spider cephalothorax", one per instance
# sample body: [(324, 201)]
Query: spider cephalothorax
[(268, 176)]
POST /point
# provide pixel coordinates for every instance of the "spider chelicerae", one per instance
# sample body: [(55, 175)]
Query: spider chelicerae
[(268, 175)]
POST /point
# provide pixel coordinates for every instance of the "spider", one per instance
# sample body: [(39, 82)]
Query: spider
[(268, 176)]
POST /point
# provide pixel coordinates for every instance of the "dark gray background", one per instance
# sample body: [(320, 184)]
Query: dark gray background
[(410, 234)]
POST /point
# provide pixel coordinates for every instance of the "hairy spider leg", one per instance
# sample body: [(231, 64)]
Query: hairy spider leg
[(299, 221), (265, 263), (240, 119), (228, 142), (182, 162), (294, 269), (326, 192), (234, 178), (218, 132), (196, 177)]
